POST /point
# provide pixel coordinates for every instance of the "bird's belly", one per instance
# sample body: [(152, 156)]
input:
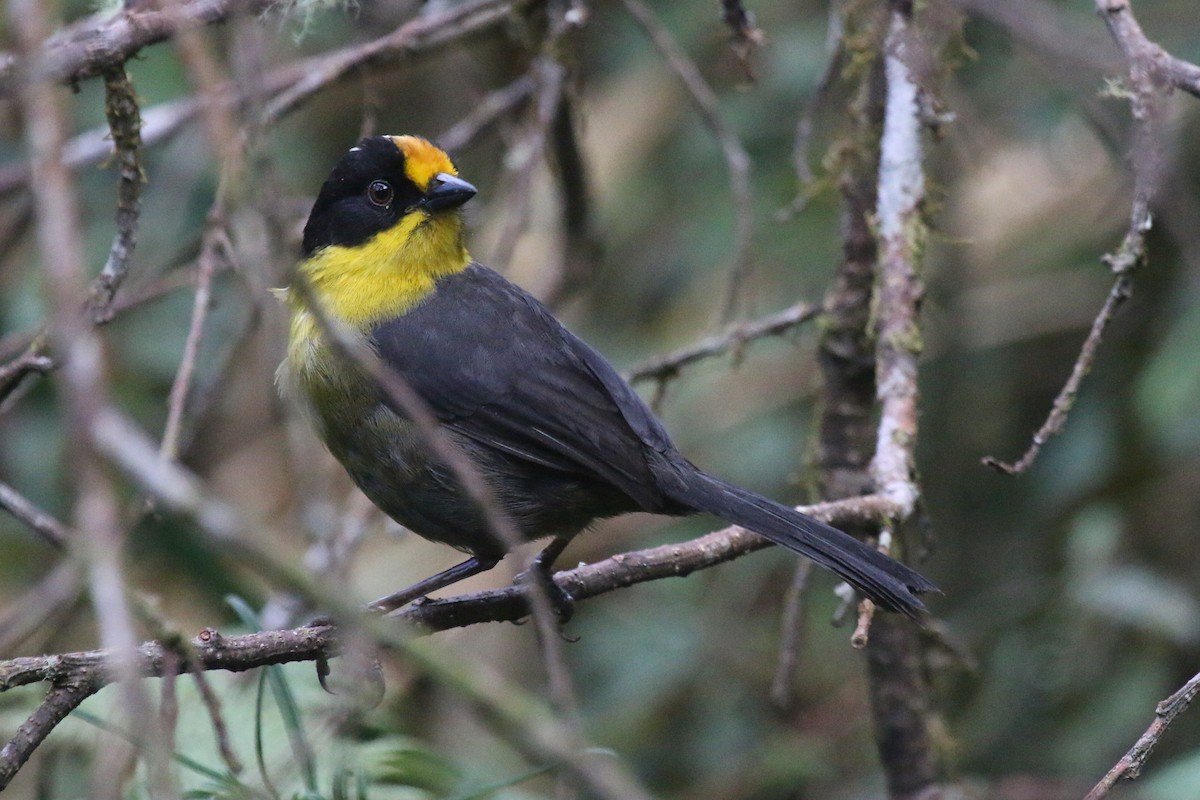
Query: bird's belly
[(390, 461)]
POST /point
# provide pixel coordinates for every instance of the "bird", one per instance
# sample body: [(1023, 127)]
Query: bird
[(560, 439)]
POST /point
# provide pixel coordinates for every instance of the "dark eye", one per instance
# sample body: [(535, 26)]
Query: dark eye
[(380, 193)]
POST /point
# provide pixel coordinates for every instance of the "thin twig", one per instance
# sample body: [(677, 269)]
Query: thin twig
[(125, 127), (524, 159), (1143, 54), (747, 36), (214, 241), (791, 635), (866, 607), (40, 522), (49, 599), (737, 336), (1065, 400), (212, 704), (580, 241), (737, 160), (1131, 764), (168, 700), (415, 36), (32, 361), (485, 113), (1151, 77), (802, 141)]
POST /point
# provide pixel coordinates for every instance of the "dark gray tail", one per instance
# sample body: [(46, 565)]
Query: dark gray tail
[(886, 581)]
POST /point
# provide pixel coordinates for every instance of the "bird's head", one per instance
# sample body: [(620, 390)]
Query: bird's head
[(386, 224)]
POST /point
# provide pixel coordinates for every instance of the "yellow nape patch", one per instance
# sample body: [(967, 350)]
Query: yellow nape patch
[(389, 274), (422, 160)]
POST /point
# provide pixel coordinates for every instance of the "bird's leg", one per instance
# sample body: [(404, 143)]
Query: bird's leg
[(472, 566), (541, 570)]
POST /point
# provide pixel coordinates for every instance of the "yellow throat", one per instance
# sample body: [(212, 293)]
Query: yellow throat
[(381, 278)]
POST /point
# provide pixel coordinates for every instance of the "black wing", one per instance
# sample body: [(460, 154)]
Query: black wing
[(496, 367)]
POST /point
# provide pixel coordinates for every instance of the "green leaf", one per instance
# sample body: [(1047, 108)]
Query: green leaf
[(417, 767)]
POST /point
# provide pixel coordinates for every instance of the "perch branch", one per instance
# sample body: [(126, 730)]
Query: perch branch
[(212, 651)]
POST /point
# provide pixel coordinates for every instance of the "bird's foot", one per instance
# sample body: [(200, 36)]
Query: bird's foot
[(541, 570), (560, 600)]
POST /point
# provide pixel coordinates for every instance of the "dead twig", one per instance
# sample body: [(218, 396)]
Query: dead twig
[(214, 249), (521, 167), (1131, 764), (791, 635), (415, 36), (802, 142), (737, 336), (31, 361), (1151, 76), (37, 520), (125, 127), (1065, 400), (484, 113), (580, 241), (1143, 54), (220, 730)]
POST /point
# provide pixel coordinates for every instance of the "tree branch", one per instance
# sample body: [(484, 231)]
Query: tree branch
[(37, 520), (900, 701), (103, 41), (1130, 765), (125, 127), (737, 336), (1151, 74), (90, 671), (1141, 53)]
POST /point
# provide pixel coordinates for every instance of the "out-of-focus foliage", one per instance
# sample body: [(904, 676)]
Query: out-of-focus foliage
[(1075, 586)]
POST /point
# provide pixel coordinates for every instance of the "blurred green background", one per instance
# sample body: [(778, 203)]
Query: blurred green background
[(1074, 586)]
